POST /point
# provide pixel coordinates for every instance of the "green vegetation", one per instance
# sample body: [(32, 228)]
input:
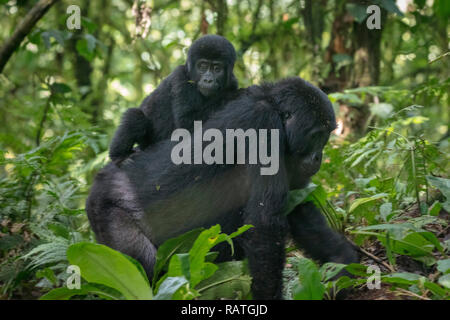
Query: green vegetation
[(384, 181)]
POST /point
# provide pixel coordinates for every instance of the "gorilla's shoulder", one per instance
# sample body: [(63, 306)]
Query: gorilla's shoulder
[(107, 171), (178, 75)]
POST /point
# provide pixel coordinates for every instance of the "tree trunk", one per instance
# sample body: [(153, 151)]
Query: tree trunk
[(364, 69)]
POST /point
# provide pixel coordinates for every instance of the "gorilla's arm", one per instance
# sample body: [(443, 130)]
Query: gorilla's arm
[(134, 127), (312, 234)]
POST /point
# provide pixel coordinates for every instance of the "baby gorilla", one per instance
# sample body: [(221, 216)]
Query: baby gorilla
[(191, 92), (136, 208)]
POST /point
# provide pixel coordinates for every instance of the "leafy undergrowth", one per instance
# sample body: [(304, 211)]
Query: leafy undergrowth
[(389, 193)]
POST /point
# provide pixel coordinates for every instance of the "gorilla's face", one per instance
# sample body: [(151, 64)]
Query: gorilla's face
[(305, 162), (308, 119), (209, 75)]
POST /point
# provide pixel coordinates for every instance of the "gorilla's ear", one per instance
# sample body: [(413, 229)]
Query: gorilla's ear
[(231, 81)]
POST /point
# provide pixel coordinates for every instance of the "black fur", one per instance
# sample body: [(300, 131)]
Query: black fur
[(176, 103), (137, 207)]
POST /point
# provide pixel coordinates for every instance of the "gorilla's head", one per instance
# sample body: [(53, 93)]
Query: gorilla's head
[(210, 64), (308, 118)]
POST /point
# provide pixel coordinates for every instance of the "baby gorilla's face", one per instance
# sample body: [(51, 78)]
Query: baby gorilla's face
[(209, 76)]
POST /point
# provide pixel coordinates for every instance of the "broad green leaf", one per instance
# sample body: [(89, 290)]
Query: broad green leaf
[(357, 11), (434, 209), (65, 293), (361, 201), (318, 196), (413, 244), (59, 87), (295, 197), (390, 6), (86, 46), (331, 269), (180, 266), (240, 230), (310, 287), (230, 281), (401, 277), (169, 286), (205, 241), (444, 266), (103, 265), (200, 269), (382, 110), (357, 269), (444, 186), (180, 244), (385, 211), (445, 280), (399, 229), (56, 34)]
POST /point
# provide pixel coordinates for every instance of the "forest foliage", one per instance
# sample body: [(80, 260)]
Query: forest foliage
[(384, 181)]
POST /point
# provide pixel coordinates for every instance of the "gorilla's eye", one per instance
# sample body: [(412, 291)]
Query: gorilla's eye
[(217, 69), (286, 116)]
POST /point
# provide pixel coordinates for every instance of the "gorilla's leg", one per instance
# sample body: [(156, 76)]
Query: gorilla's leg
[(122, 234), (266, 255), (264, 247), (312, 234)]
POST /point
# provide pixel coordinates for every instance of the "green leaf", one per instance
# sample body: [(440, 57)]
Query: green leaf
[(401, 277), (180, 244), (331, 269), (65, 293), (48, 274), (390, 6), (382, 110), (103, 265), (56, 34), (444, 266), (385, 211), (240, 230), (200, 269), (230, 281), (205, 241), (357, 11), (444, 186), (414, 245), (310, 287), (295, 197), (180, 266), (86, 46), (10, 241), (361, 201), (434, 209), (169, 286), (59, 87), (445, 280), (357, 269)]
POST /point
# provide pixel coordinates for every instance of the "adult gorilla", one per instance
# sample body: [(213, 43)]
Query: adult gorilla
[(191, 92), (136, 208)]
